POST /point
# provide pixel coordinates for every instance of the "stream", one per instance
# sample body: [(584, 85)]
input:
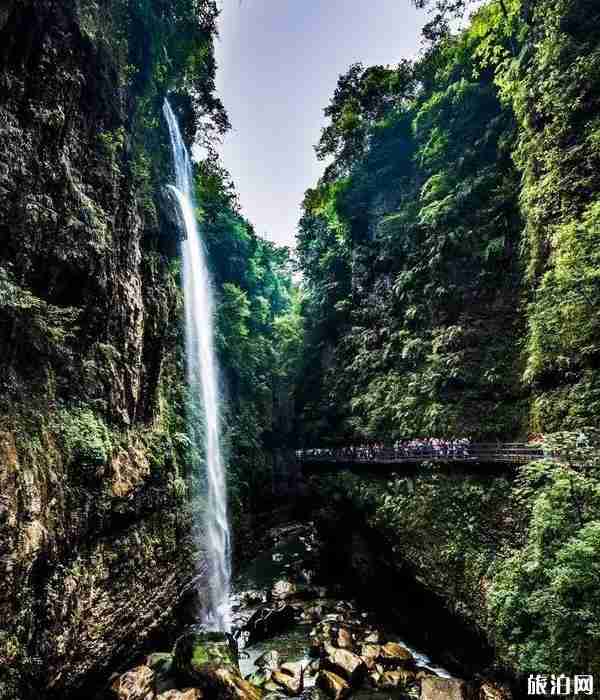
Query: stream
[(287, 574), (301, 629)]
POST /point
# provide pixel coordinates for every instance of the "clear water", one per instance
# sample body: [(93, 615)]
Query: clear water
[(202, 377)]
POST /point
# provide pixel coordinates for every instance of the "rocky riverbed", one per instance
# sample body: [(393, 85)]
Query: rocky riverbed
[(295, 637)]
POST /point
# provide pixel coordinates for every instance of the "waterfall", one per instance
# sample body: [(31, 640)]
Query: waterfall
[(202, 376)]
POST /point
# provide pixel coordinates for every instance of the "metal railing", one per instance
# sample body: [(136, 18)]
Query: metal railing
[(506, 453)]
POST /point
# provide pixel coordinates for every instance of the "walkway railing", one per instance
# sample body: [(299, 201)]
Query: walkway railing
[(506, 453)]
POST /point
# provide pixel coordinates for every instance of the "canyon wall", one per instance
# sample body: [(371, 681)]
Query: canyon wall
[(94, 520)]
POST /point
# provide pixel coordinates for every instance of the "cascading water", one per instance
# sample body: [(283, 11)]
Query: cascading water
[(202, 377)]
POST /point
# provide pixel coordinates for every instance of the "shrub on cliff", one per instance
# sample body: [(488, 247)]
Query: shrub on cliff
[(86, 438)]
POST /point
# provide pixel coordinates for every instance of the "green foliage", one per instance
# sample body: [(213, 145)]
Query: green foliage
[(449, 252), (169, 46), (156, 48), (86, 438), (544, 601), (449, 531), (258, 336), (31, 326), (362, 99), (112, 141), (408, 256), (451, 271), (554, 90)]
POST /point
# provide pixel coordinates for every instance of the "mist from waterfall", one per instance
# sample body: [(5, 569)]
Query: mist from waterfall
[(202, 376)]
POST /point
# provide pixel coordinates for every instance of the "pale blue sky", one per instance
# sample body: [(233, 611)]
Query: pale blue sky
[(278, 64)]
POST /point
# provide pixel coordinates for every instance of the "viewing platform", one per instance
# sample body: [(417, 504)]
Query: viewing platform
[(467, 454)]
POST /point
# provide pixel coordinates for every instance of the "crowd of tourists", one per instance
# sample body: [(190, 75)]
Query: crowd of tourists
[(434, 448)]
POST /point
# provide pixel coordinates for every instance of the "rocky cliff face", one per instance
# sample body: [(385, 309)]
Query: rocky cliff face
[(93, 516)]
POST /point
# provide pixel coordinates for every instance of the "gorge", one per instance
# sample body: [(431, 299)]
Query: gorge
[(161, 364)]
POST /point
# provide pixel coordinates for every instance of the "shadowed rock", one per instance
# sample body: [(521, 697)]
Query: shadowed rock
[(290, 683), (210, 661), (344, 638), (282, 590), (137, 684), (434, 688), (270, 660), (196, 654), (494, 691), (334, 686), (393, 654), (344, 663), (370, 653), (225, 684), (268, 622)]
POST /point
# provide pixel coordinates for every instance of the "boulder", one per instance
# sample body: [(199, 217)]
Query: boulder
[(374, 678), (394, 654), (270, 660), (282, 590), (210, 661), (370, 653), (137, 684), (162, 665), (343, 638), (334, 686), (187, 694), (293, 668), (197, 654), (390, 679), (435, 688), (290, 676), (313, 668), (290, 684), (268, 621), (344, 663), (226, 684), (402, 678), (253, 597), (372, 638), (260, 678), (494, 691), (160, 662)]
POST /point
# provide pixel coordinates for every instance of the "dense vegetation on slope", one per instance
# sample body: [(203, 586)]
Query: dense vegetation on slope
[(450, 257), (448, 249)]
